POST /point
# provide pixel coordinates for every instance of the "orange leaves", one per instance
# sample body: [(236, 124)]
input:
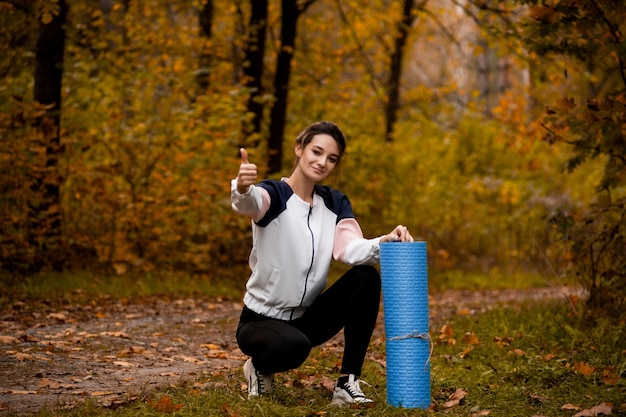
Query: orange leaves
[(445, 335), (502, 341), (164, 405), (544, 14), (215, 351), (584, 368), (610, 376), (471, 338), (229, 411), (6, 340)]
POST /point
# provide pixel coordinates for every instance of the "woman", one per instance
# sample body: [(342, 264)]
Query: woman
[(298, 226)]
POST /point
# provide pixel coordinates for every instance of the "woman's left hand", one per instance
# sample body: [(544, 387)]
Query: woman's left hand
[(399, 234)]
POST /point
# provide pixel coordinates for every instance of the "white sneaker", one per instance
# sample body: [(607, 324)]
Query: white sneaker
[(349, 392), (257, 384)]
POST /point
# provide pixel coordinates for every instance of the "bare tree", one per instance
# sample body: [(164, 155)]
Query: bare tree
[(291, 11), (395, 73), (205, 20), (253, 68), (44, 211)]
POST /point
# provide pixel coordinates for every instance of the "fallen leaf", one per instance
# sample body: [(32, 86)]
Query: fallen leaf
[(121, 335), (7, 340), (502, 341), (446, 331), (101, 393), (466, 352), (133, 350), (229, 411), (455, 399), (28, 338), (191, 359), (211, 346), (328, 383), (23, 357), (539, 398), (165, 405), (517, 352), (123, 364), (48, 383), (609, 376), (445, 335), (584, 368), (604, 408), (481, 413), (471, 338), (57, 316), (216, 354)]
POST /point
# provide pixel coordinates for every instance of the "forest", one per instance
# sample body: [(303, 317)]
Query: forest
[(495, 130)]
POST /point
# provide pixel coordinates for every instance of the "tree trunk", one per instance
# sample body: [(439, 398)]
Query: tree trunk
[(291, 11), (44, 210), (205, 20), (278, 116), (395, 73), (253, 69)]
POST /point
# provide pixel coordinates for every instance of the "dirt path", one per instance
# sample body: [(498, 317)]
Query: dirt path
[(115, 351)]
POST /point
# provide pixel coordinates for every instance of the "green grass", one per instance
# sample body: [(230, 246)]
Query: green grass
[(85, 286), (492, 280)]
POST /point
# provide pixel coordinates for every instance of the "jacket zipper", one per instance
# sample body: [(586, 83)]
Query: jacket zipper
[(306, 279)]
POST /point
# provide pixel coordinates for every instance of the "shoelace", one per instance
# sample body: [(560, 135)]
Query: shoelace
[(261, 382), (354, 388)]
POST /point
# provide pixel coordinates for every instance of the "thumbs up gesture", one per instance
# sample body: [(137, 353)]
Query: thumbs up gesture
[(247, 173)]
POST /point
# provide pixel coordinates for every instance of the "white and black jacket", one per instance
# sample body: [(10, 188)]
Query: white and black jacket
[(293, 243)]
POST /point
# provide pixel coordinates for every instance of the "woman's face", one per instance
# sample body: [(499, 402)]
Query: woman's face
[(318, 158)]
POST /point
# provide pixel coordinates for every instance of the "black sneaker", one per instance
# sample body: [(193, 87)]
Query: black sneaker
[(257, 384), (348, 391)]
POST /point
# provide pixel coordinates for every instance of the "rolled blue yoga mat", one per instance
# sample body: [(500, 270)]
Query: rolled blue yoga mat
[(404, 273)]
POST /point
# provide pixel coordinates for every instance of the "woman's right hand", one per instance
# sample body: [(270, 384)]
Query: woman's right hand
[(247, 173)]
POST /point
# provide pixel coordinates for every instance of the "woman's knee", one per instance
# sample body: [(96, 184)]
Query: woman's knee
[(298, 352), (275, 346), (290, 356)]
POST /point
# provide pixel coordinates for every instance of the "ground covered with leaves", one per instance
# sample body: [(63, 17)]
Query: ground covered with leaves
[(116, 351), (110, 350)]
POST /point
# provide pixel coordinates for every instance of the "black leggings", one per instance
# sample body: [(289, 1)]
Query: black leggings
[(350, 303)]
